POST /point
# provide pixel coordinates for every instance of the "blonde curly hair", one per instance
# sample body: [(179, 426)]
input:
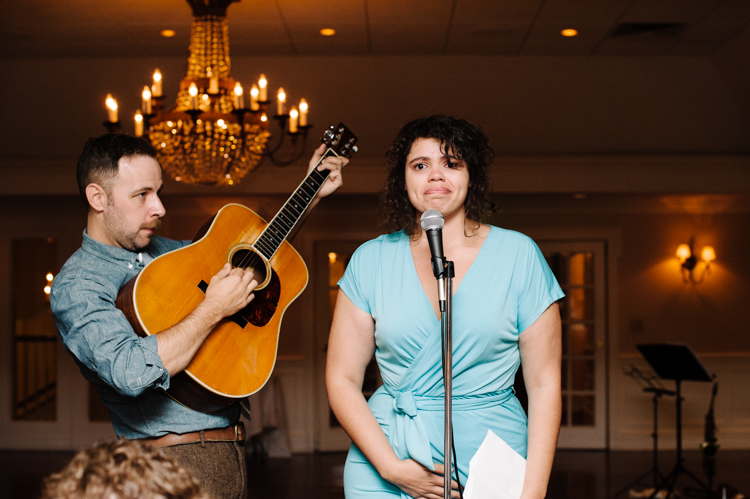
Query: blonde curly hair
[(123, 469)]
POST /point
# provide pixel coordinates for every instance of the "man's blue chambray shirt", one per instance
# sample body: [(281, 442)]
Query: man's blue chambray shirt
[(125, 368)]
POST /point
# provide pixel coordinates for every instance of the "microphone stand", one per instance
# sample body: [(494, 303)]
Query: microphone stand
[(445, 284)]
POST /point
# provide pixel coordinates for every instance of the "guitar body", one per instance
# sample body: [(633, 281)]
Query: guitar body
[(239, 355)]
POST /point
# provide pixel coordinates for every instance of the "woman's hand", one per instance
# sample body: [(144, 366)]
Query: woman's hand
[(418, 481)]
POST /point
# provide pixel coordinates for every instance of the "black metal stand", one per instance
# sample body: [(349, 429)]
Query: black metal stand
[(447, 333), (676, 362), (657, 475), (679, 468)]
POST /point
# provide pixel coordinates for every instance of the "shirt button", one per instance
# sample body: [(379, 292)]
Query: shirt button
[(130, 265)]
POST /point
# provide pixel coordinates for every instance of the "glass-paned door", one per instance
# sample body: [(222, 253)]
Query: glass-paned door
[(580, 269), (34, 334), (43, 397), (331, 259)]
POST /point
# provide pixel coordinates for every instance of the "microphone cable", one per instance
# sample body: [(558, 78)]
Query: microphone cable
[(453, 435)]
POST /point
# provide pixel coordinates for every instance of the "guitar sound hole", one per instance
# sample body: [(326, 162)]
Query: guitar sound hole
[(250, 261)]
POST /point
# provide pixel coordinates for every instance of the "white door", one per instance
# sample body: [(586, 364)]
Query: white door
[(331, 258), (580, 269), (45, 403)]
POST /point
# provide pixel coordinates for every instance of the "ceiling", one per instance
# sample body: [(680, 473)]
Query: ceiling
[(115, 28)]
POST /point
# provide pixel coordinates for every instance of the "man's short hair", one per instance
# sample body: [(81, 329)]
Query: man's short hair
[(123, 469), (100, 158)]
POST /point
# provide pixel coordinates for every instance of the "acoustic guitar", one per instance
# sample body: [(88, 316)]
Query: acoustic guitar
[(238, 356)]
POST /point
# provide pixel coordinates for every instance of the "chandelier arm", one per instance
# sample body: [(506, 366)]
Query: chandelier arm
[(295, 154), (112, 126), (282, 126)]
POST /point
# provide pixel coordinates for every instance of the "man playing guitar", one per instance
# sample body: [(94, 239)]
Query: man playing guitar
[(120, 180)]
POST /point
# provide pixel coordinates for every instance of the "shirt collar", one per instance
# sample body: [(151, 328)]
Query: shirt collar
[(112, 253)]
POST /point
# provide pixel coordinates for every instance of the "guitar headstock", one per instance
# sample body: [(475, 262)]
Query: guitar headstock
[(340, 140)]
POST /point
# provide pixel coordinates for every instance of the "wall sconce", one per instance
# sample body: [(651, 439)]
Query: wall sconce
[(688, 261), (48, 287)]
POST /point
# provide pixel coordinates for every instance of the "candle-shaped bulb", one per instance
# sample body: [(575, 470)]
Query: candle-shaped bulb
[(263, 88), (193, 91), (239, 98), (254, 92), (302, 112), (146, 95), (293, 117), (111, 108), (156, 86), (281, 101), (263, 117), (138, 124)]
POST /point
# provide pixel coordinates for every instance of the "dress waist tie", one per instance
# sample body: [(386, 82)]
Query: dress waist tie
[(407, 433)]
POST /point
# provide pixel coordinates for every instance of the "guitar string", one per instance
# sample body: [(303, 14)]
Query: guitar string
[(252, 258), (252, 255)]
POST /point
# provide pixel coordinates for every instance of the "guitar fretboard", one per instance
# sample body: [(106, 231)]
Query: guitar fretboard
[(282, 224)]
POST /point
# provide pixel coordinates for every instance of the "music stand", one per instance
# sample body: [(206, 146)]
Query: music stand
[(649, 387), (675, 361)]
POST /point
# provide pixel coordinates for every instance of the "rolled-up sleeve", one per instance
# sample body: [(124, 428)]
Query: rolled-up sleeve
[(100, 337)]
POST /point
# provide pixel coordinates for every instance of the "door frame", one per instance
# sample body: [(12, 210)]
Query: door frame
[(611, 237), (71, 430), (327, 439), (590, 437)]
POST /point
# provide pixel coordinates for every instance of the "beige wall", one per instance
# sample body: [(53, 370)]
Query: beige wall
[(711, 317)]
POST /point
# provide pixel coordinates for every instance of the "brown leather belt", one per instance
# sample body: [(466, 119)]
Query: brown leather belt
[(234, 433)]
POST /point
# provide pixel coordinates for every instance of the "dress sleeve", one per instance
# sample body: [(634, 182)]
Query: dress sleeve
[(100, 337), (357, 281), (539, 290)]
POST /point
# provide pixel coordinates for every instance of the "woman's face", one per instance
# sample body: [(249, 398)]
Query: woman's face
[(435, 181)]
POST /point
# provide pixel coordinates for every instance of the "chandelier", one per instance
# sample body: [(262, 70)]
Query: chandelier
[(209, 136)]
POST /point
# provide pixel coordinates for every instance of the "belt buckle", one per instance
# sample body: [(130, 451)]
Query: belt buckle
[(239, 433)]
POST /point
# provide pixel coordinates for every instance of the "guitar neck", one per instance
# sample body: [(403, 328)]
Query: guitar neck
[(289, 215)]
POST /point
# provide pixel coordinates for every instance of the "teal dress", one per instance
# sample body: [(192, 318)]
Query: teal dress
[(504, 291)]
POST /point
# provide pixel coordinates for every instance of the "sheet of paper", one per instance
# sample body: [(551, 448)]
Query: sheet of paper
[(495, 471)]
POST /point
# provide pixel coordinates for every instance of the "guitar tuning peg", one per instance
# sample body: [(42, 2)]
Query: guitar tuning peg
[(354, 149)]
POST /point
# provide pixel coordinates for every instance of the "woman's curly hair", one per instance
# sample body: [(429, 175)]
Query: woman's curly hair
[(122, 469), (464, 140)]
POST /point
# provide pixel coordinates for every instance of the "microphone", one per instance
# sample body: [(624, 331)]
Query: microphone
[(432, 223)]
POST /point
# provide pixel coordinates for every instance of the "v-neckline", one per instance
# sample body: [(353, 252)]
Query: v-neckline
[(415, 275)]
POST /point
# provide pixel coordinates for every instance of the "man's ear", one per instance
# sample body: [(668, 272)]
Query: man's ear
[(96, 196)]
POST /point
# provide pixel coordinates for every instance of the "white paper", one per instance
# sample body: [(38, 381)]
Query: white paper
[(495, 471)]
